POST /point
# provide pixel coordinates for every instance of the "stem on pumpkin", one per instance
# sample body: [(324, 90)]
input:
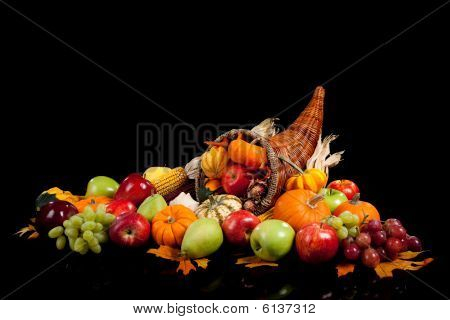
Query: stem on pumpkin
[(224, 143), (170, 219), (293, 165), (314, 200), (355, 199)]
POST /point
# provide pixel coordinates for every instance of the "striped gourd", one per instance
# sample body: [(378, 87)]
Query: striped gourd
[(219, 207), (170, 181)]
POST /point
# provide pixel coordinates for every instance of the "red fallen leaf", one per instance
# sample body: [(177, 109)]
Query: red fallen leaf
[(254, 262), (344, 268), (185, 264)]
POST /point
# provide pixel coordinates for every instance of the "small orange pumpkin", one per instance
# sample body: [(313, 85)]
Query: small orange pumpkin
[(360, 208), (250, 155), (170, 224), (91, 201), (300, 207)]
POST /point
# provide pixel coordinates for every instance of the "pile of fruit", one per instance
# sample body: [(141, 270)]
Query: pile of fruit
[(323, 223), (332, 222)]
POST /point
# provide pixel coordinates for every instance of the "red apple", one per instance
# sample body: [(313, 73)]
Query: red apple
[(235, 181), (316, 242), (53, 214), (135, 189), (121, 206), (130, 230), (347, 187), (238, 226)]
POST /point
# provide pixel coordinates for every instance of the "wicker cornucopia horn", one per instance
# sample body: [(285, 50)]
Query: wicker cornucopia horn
[(296, 143)]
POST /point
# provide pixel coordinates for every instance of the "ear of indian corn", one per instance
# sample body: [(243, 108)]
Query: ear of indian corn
[(170, 181)]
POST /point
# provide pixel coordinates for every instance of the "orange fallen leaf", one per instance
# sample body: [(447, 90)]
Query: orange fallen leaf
[(254, 262), (32, 236), (344, 268), (186, 266), (166, 252), (24, 230), (408, 255), (385, 269), (202, 263)]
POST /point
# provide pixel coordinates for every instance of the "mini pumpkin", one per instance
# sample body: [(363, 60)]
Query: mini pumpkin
[(364, 210), (300, 207), (219, 207), (312, 179), (170, 224), (91, 201)]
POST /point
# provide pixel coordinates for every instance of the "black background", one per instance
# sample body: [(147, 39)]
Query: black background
[(64, 120)]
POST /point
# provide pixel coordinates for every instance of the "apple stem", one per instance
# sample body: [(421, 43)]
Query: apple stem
[(355, 199), (316, 199), (293, 165)]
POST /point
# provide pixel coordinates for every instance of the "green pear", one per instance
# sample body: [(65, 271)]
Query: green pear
[(151, 206), (102, 186), (202, 238)]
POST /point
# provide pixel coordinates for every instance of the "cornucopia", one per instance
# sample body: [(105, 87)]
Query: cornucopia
[(257, 189)]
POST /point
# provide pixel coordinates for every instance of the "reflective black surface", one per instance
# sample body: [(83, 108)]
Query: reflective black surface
[(133, 274)]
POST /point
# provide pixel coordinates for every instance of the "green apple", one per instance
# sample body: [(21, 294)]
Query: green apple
[(333, 198), (272, 239), (102, 186), (151, 206), (202, 238)]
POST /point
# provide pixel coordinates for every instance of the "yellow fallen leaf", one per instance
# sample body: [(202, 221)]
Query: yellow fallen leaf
[(254, 262), (408, 255), (186, 266), (202, 263), (344, 268), (385, 269), (54, 190)]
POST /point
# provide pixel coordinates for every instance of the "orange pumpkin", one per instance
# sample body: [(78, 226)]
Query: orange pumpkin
[(360, 208), (300, 207), (91, 201), (250, 155), (170, 224)]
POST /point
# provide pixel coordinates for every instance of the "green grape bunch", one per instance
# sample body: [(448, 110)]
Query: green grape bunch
[(84, 231), (346, 225)]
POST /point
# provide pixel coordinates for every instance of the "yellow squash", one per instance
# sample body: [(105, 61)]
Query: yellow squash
[(214, 162), (310, 179)]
